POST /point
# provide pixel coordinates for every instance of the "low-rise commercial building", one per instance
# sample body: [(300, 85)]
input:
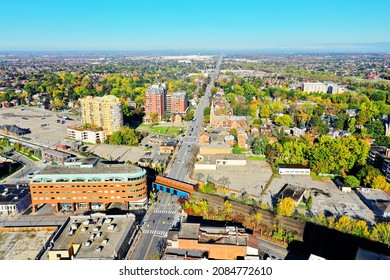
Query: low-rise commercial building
[(94, 237), (377, 200), (89, 135), (293, 169), (220, 243), (89, 185), (211, 162), (14, 199)]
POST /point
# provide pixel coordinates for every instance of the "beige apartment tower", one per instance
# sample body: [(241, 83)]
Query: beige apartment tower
[(104, 112)]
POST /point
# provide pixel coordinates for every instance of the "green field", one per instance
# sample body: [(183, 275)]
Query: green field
[(166, 130), (255, 158)]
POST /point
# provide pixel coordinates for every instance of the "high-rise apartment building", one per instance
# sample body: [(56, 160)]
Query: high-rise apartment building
[(155, 100), (105, 112), (179, 102)]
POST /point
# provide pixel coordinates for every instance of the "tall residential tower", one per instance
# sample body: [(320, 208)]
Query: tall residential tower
[(105, 112)]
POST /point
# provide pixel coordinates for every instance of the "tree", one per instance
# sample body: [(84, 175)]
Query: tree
[(379, 182), (351, 125), (340, 122), (286, 207), (224, 181), (227, 208), (259, 145), (204, 207), (309, 203), (360, 228), (255, 220), (381, 233), (265, 111), (283, 120), (344, 224), (352, 181), (375, 128), (154, 118), (125, 136)]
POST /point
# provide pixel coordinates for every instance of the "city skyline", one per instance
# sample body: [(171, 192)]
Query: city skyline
[(326, 26)]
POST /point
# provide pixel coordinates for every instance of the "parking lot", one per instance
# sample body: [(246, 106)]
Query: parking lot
[(327, 198), (249, 178), (47, 128)]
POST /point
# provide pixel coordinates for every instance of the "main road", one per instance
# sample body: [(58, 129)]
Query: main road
[(180, 167), (165, 213)]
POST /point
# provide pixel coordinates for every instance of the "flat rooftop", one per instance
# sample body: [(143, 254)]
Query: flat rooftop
[(189, 231), (295, 166), (23, 244), (374, 194), (212, 159), (96, 230), (97, 169), (12, 194)]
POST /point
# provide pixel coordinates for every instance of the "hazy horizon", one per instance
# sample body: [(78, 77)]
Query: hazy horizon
[(196, 26)]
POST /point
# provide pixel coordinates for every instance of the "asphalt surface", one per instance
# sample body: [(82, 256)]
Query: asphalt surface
[(155, 227), (165, 214), (180, 166), (20, 177)]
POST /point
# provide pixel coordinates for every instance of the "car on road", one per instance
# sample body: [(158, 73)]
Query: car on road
[(148, 153), (30, 175)]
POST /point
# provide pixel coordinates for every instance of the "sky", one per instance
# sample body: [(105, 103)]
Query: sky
[(187, 25)]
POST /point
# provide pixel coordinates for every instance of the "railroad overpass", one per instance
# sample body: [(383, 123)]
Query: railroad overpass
[(173, 186)]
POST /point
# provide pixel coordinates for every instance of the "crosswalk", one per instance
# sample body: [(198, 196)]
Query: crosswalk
[(156, 232), (164, 211)]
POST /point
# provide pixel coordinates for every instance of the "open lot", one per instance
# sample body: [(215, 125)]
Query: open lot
[(327, 198), (22, 245), (43, 124), (249, 178), (117, 152)]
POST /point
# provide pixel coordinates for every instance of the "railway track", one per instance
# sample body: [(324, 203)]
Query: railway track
[(268, 219)]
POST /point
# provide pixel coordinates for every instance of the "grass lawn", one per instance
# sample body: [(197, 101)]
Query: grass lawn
[(32, 157), (256, 158), (169, 130)]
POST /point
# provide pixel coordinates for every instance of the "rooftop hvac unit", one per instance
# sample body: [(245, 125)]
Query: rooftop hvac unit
[(111, 227)]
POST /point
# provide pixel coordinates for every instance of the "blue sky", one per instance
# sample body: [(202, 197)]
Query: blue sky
[(147, 25)]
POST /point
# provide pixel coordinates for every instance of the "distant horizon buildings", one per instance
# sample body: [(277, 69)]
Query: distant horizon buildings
[(103, 112), (325, 87)]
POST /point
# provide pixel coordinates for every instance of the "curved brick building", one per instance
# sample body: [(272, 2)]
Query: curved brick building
[(86, 184)]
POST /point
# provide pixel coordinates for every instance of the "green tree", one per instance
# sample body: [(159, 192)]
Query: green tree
[(344, 224), (351, 125), (259, 145), (154, 118), (309, 203), (375, 128), (283, 120), (265, 111), (125, 136), (381, 233), (352, 181), (379, 182)]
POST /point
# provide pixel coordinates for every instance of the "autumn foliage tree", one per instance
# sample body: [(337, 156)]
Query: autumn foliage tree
[(286, 207)]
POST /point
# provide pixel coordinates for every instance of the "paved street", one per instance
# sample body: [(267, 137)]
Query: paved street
[(165, 213), (155, 226), (20, 177), (180, 166)]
